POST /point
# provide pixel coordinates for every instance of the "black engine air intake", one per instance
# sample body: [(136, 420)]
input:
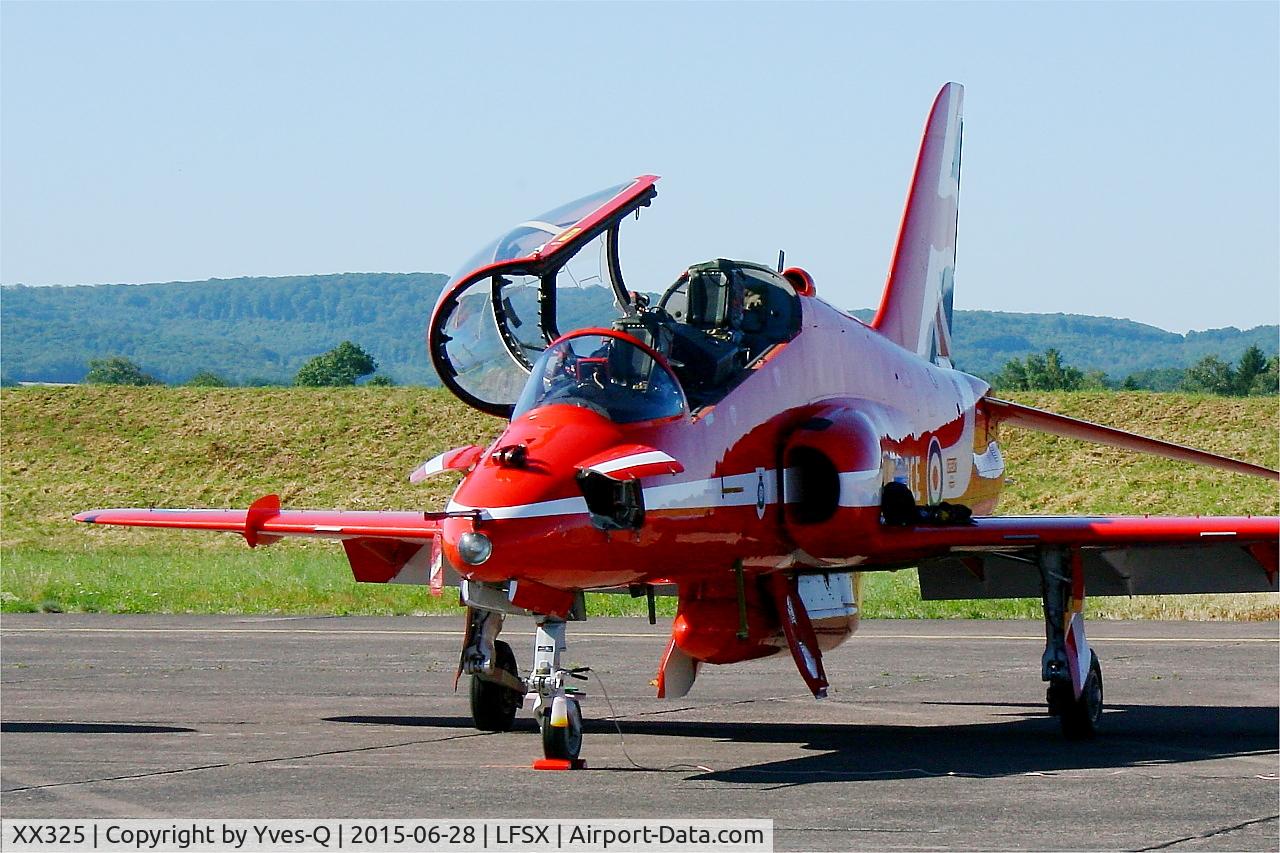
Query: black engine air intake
[(831, 475), (813, 482)]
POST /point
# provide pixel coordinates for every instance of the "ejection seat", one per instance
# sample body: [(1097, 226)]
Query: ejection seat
[(714, 321), (707, 345)]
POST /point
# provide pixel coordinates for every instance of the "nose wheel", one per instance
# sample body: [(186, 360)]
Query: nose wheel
[(562, 733), (557, 706)]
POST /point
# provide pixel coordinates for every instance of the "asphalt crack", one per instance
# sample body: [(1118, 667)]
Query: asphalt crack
[(249, 763), (1211, 833)]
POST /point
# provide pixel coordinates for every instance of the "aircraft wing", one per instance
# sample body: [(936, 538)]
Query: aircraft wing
[(1122, 555), (383, 547), (1017, 415)]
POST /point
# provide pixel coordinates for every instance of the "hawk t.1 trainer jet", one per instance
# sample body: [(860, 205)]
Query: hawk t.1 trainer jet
[(737, 442)]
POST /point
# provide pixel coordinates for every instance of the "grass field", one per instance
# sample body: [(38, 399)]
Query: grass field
[(76, 448)]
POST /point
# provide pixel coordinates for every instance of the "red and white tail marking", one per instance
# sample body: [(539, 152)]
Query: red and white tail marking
[(915, 311)]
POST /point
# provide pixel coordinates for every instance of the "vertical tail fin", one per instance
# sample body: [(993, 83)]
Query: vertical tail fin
[(915, 311)]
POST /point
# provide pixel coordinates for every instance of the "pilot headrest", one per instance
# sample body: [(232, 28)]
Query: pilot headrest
[(708, 298)]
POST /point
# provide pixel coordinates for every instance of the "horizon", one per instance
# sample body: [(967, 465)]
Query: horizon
[(446, 275), (1119, 158)]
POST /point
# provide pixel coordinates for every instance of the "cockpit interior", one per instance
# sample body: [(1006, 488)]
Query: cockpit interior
[(714, 322)]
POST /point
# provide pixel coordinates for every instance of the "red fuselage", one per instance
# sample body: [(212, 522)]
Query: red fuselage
[(838, 400)]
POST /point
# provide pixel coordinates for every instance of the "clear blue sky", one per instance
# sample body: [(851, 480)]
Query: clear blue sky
[(1119, 158)]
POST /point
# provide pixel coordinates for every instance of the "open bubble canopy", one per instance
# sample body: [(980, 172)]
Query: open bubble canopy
[(544, 278)]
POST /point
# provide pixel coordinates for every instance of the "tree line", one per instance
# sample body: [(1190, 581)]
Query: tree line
[(258, 331), (344, 365), (347, 364), (1253, 375), (249, 331)]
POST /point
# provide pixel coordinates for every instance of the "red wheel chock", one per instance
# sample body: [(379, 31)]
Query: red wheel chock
[(560, 764)]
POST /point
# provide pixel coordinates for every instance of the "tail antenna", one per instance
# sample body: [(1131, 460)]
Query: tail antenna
[(782, 257)]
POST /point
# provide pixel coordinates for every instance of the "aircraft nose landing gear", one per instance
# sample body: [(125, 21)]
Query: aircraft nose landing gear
[(556, 705), (562, 729), (1069, 665), (498, 691)]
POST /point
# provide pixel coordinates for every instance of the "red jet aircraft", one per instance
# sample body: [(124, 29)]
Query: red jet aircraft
[(741, 444)]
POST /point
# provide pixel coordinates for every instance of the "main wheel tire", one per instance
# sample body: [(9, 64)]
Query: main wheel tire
[(493, 705), (562, 742), (1080, 716), (1059, 697)]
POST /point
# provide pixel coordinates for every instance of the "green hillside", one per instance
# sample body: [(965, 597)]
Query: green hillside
[(86, 447), (258, 330), (249, 330), (985, 340)]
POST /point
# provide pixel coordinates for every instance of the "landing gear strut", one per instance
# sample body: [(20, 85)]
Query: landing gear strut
[(1069, 666), (494, 703), (556, 707), (497, 691)]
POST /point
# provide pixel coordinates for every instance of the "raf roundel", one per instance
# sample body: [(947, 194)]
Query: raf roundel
[(935, 472)]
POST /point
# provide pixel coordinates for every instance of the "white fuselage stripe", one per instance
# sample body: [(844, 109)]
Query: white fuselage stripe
[(541, 509), (858, 489)]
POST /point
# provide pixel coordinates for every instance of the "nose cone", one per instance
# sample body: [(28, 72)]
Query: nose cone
[(530, 506)]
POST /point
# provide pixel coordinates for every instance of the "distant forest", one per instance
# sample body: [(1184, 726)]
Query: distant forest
[(262, 330), (247, 330)]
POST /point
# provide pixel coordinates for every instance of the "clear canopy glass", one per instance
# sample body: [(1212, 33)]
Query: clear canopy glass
[(483, 365), (545, 277), (608, 374), (531, 235)]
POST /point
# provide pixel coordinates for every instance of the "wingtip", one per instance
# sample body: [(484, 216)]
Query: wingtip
[(86, 517)]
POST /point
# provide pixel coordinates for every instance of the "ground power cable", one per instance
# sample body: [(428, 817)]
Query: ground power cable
[(613, 718)]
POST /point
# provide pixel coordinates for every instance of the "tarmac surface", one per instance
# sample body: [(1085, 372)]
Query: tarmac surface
[(935, 735)]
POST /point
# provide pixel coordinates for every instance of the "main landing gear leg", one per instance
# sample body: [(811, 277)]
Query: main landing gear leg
[(556, 706), (497, 691), (1069, 665)]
